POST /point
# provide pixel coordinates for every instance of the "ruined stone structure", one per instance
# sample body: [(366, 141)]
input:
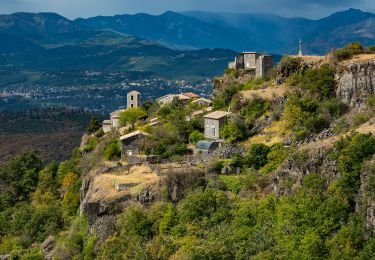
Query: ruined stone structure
[(132, 143), (259, 65), (213, 122), (133, 99)]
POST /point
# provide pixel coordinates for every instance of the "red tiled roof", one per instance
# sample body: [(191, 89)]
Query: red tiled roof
[(191, 95)]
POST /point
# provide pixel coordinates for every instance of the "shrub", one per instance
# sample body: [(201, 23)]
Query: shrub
[(131, 115), (320, 81), (233, 183), (93, 142), (257, 156), (348, 51), (255, 83), (231, 72), (256, 107), (275, 158), (195, 136), (99, 133), (93, 125), (112, 151), (288, 66), (233, 130)]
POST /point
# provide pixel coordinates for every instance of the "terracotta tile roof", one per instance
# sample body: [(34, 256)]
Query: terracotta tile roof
[(191, 95)]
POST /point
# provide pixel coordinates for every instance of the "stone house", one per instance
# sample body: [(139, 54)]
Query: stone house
[(213, 122), (133, 99), (132, 143), (115, 119), (259, 65), (184, 97), (203, 102), (107, 126)]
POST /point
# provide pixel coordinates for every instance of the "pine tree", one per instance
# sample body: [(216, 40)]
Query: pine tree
[(93, 125)]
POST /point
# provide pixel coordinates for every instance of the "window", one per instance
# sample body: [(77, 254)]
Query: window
[(131, 97)]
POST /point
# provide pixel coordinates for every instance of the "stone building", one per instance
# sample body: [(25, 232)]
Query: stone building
[(184, 97), (132, 143), (203, 102), (213, 122), (107, 126), (259, 65), (115, 119), (133, 99)]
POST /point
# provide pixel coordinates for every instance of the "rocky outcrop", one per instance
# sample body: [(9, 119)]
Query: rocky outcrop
[(314, 159), (47, 247), (355, 82)]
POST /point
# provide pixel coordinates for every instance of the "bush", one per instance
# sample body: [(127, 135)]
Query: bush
[(231, 72), (257, 156), (348, 51), (93, 142), (132, 115), (233, 183), (93, 125), (99, 133), (255, 83), (288, 66), (195, 136), (255, 108), (275, 158), (320, 81), (112, 151), (234, 130)]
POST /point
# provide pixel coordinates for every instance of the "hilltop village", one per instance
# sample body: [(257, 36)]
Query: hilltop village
[(133, 131), (278, 163)]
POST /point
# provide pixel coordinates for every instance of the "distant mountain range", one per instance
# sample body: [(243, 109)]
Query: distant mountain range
[(240, 32), (172, 45), (50, 42)]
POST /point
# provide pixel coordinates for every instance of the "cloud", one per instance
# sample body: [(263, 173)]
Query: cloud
[(85, 8)]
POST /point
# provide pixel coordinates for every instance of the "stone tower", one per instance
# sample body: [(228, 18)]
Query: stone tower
[(133, 99)]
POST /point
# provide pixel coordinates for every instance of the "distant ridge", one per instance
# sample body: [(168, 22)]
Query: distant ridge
[(258, 31)]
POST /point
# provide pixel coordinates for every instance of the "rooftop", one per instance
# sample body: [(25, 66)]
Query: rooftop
[(106, 122), (134, 92), (203, 99), (117, 112), (217, 114), (207, 145), (133, 134), (191, 95)]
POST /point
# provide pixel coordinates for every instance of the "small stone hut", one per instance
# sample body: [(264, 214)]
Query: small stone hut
[(132, 143), (213, 122)]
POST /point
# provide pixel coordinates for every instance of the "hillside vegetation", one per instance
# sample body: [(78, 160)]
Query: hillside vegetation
[(300, 187)]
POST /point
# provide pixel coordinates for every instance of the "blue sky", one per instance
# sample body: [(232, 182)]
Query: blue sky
[(86, 8)]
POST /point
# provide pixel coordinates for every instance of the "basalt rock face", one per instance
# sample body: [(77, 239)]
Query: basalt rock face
[(100, 213), (355, 82), (313, 160)]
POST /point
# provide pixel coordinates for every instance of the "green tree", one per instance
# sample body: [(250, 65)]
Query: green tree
[(94, 125), (195, 136), (257, 156), (132, 115)]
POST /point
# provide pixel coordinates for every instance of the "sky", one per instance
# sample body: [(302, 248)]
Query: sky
[(313, 9)]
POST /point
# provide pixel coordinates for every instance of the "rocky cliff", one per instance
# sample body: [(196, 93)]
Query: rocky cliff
[(355, 81)]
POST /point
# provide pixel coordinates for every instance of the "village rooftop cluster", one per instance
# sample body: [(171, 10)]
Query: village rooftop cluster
[(253, 63)]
